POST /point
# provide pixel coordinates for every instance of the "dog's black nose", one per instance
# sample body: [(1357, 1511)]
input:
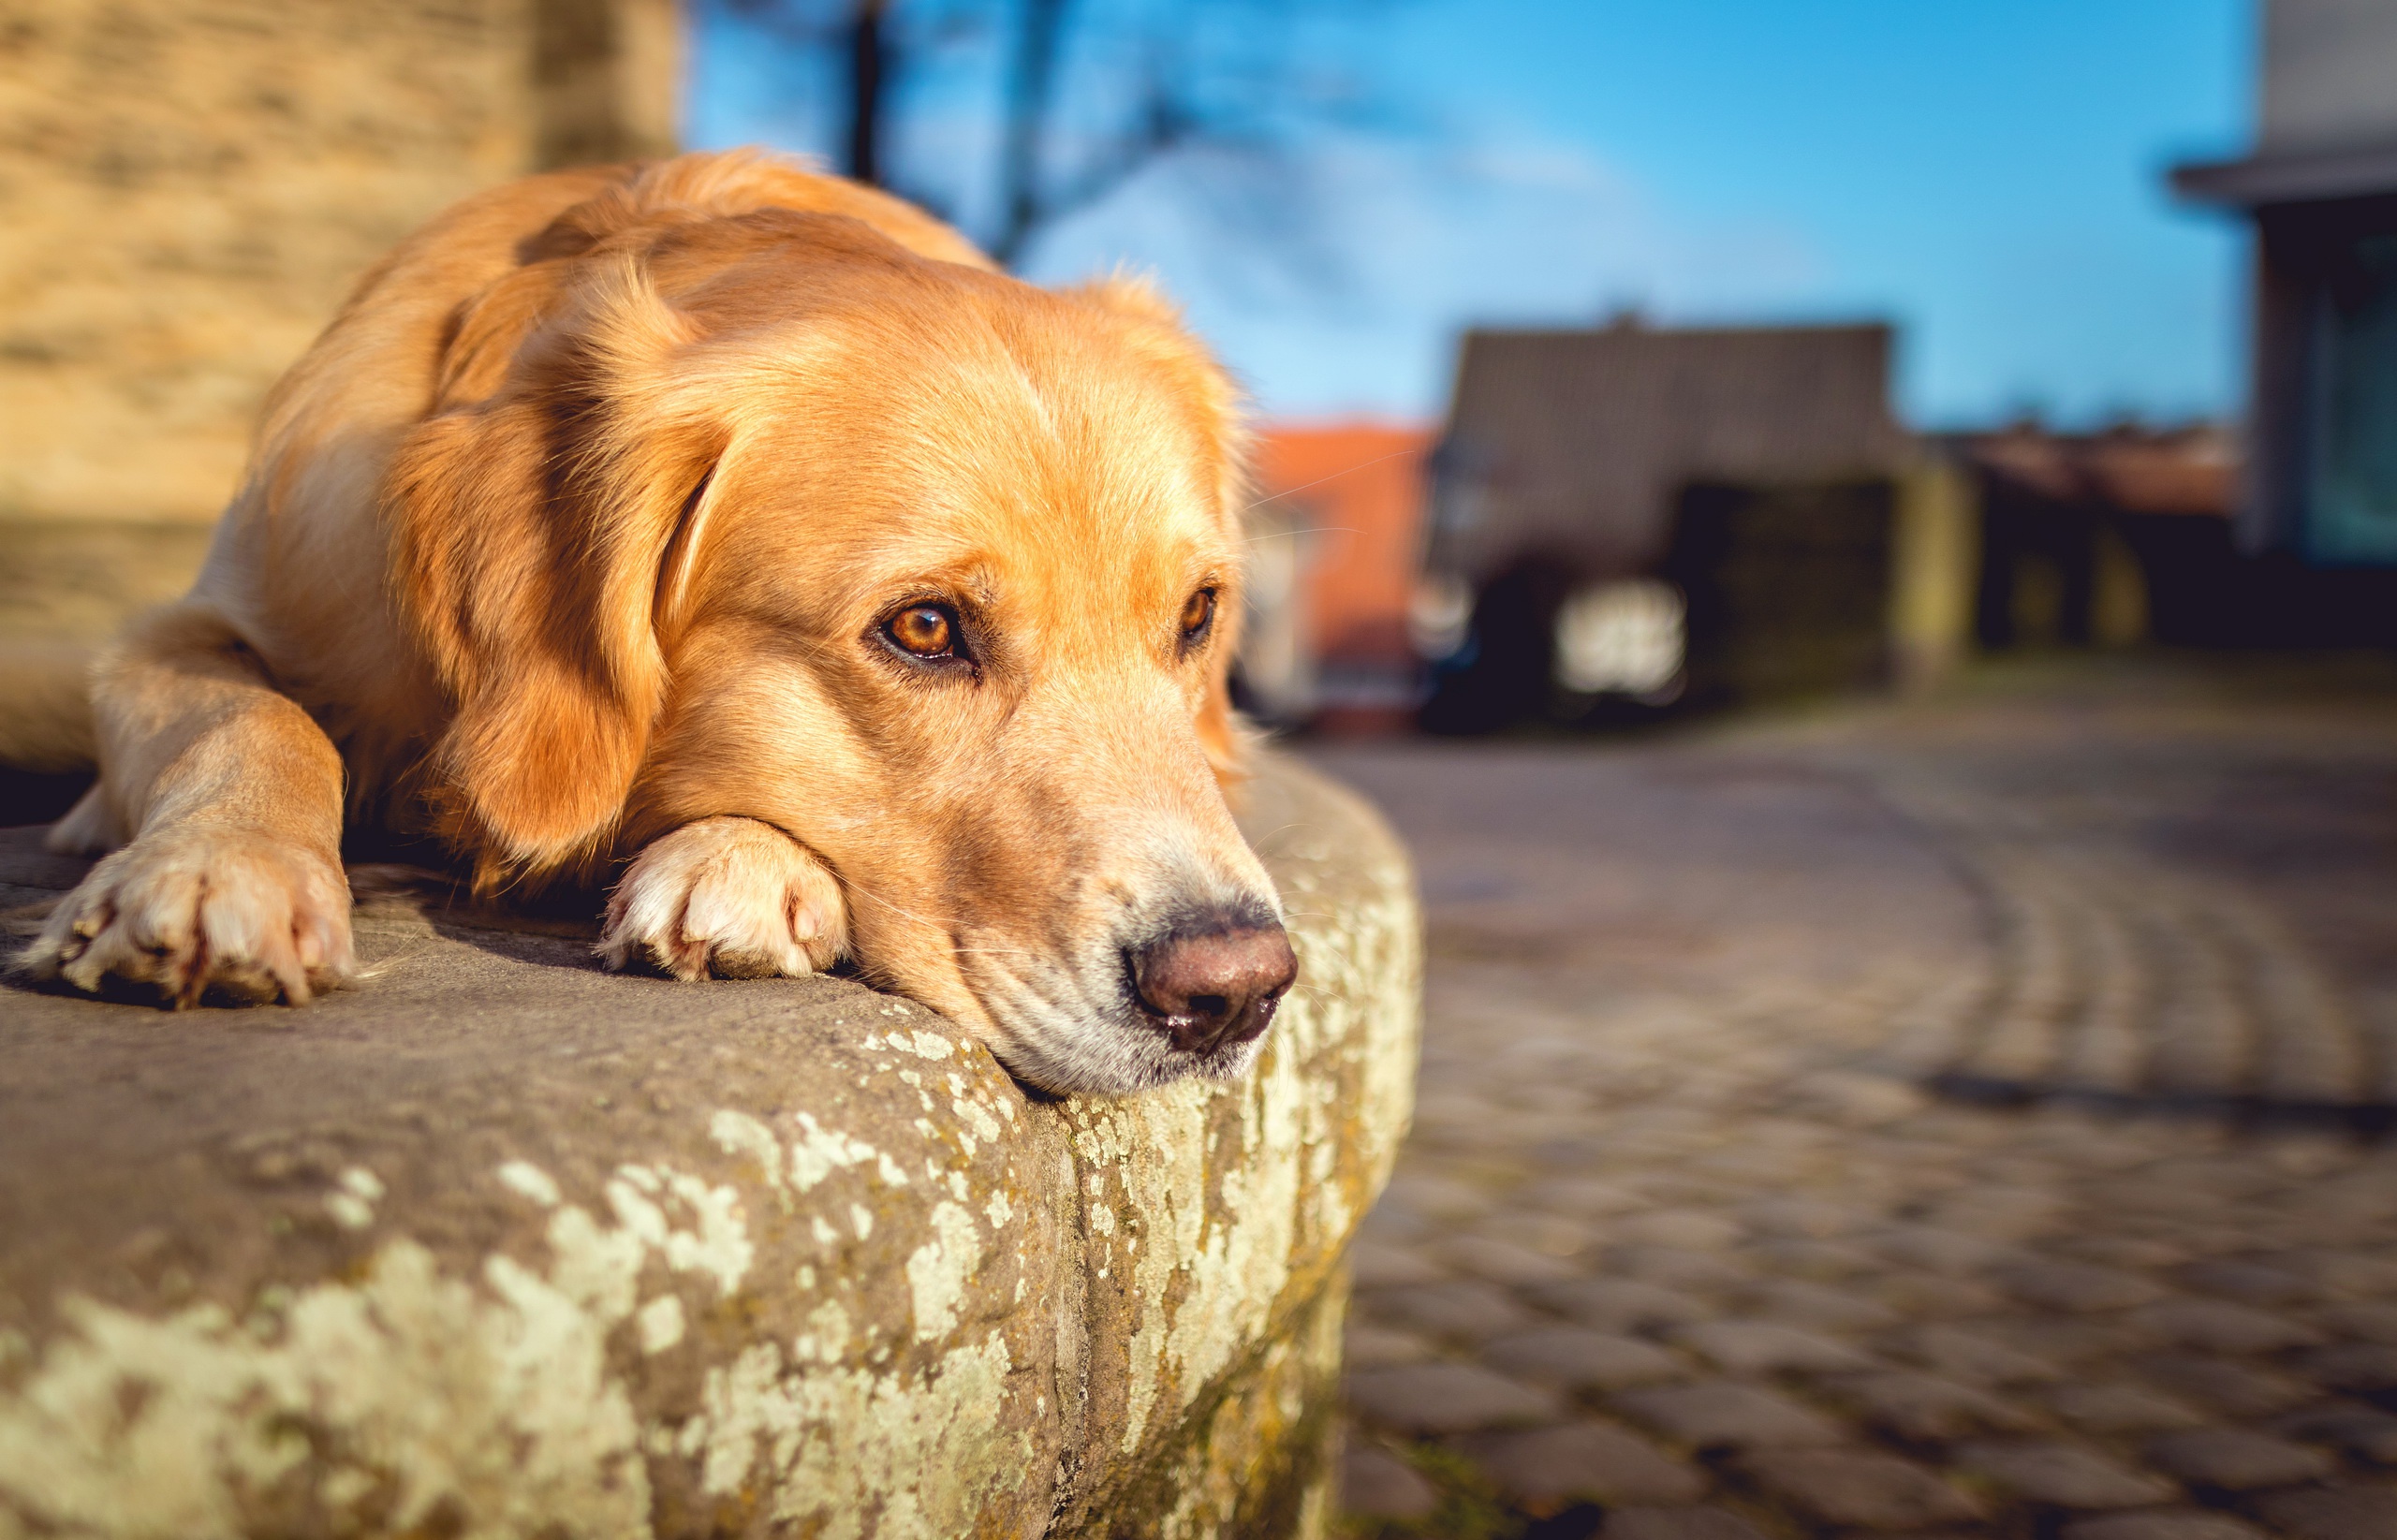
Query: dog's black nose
[(1217, 985)]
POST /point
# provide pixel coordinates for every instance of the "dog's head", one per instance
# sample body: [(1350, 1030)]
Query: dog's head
[(933, 570)]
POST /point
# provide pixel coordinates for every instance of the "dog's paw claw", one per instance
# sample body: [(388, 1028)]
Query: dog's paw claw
[(731, 896), (186, 912)]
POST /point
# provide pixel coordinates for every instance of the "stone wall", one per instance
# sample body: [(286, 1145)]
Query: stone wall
[(494, 1244), (188, 187)]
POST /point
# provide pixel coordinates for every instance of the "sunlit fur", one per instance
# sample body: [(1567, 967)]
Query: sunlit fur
[(577, 528)]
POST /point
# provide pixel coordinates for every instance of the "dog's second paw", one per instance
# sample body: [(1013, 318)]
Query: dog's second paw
[(733, 897), (188, 911)]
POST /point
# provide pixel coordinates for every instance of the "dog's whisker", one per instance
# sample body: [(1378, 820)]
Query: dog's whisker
[(1336, 475), (1312, 529)]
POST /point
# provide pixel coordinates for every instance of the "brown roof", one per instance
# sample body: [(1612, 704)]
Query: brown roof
[(2192, 470), (1577, 442)]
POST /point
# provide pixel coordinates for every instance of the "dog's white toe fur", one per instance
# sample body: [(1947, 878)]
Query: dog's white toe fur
[(733, 897), (194, 909)]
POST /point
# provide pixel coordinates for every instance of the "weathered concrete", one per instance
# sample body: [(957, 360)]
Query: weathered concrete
[(496, 1244)]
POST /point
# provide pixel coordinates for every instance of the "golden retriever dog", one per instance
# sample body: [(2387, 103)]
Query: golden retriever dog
[(742, 536)]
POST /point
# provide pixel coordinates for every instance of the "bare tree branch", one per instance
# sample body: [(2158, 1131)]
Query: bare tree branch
[(1091, 93)]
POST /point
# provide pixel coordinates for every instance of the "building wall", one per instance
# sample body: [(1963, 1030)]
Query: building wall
[(1350, 498), (188, 187), (2327, 80), (1361, 489)]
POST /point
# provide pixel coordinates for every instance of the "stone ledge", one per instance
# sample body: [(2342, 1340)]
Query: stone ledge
[(497, 1244)]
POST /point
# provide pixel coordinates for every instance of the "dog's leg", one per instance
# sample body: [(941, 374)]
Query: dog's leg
[(731, 896), (232, 797)]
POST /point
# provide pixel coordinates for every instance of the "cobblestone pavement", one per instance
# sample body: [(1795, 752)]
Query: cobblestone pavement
[(1964, 1120)]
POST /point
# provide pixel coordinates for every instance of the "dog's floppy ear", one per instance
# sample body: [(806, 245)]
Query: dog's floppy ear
[(528, 532), (1158, 335)]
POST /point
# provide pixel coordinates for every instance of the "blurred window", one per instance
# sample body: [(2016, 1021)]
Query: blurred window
[(1439, 616), (2355, 466), (1625, 637)]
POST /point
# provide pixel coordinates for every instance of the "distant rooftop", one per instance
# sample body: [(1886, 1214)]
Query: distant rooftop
[(2189, 469), (1576, 443)]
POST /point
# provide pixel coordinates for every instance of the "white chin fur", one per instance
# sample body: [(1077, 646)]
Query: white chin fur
[(1103, 1054)]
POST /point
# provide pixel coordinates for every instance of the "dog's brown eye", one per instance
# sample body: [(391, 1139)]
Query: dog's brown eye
[(1198, 614), (925, 629)]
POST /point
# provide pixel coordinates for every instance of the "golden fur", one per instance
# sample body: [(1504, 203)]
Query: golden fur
[(569, 542)]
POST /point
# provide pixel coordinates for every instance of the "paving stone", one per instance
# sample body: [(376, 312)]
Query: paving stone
[(2149, 1193), (1935, 1249), (1582, 1359), (1677, 1524), (2365, 1432), (2218, 1326), (2062, 1340), (2354, 1199), (1620, 1165), (1465, 1309), (1541, 1467), (2361, 1368), (2061, 1476), (1805, 1304), (2136, 1253), (2163, 1524), (1391, 1226), (2338, 1270), (2073, 1285), (1997, 1213), (2234, 1460), (2221, 1385), (1617, 1304), (1935, 1297), (2373, 1320), (1719, 1414), (2115, 1406), (1811, 1217), (1857, 1101), (2217, 1177), (1583, 1196), (1377, 1484), (1549, 1235), (1371, 1346), (1444, 1397), (1678, 1229), (1798, 1256), (2345, 1512), (1924, 1409), (1433, 1196), (1379, 1265), (1766, 1347), (1965, 1356), (2253, 1282), (1503, 1261), (1676, 1268), (1856, 1488)]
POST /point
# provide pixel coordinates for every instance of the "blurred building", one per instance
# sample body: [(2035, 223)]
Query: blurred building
[(2107, 538), (2322, 190), (188, 187), (1629, 517), (1336, 540)]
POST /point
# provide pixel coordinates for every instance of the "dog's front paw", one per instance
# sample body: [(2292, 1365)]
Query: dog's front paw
[(729, 896), (188, 911)]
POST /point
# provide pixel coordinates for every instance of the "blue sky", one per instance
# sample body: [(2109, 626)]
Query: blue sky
[(1986, 173)]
